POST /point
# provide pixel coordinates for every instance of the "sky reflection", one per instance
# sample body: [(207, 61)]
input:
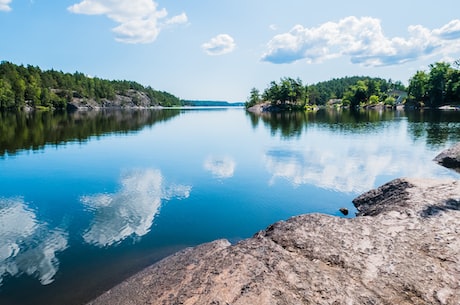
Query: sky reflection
[(131, 210), (350, 165), (221, 167), (26, 245)]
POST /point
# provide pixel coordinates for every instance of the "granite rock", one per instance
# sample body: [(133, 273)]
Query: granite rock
[(402, 248), (450, 158)]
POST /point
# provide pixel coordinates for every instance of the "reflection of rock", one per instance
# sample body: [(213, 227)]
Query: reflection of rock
[(27, 246), (220, 167), (450, 158), (406, 253), (131, 210)]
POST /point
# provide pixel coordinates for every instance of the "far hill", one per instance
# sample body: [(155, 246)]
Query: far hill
[(30, 87)]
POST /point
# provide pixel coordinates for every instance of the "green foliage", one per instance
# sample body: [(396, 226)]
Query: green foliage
[(254, 98), (390, 101), (30, 85), (288, 92), (339, 88), (438, 87), (353, 91), (418, 87), (374, 99)]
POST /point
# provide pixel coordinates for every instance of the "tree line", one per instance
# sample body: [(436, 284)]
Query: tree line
[(437, 87), (28, 85)]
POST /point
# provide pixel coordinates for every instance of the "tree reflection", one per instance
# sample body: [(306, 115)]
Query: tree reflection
[(34, 130), (437, 127)]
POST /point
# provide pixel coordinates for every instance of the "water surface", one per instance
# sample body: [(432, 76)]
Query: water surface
[(87, 199)]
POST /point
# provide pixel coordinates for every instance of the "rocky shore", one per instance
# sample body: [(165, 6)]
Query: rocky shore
[(402, 248), (131, 99), (450, 158)]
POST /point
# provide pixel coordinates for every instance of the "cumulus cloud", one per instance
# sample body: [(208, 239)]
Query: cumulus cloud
[(220, 166), (219, 45), (26, 245), (363, 41), (131, 210), (140, 21), (5, 5)]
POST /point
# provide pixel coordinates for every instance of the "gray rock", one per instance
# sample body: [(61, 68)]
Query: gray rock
[(450, 158), (404, 248)]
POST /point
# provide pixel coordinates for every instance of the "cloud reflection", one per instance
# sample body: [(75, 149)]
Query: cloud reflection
[(27, 246), (130, 211), (221, 167), (344, 167)]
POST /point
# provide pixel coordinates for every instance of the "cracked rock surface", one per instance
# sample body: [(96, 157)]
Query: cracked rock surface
[(402, 248)]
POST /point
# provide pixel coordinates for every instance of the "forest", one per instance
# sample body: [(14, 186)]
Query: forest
[(438, 87), (22, 86)]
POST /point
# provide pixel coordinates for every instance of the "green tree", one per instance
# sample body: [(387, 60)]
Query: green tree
[(437, 81), (357, 94), (374, 99), (288, 91), (418, 86), (6, 95), (33, 90), (453, 87), (391, 101), (254, 98)]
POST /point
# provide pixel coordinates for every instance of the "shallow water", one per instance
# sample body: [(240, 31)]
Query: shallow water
[(88, 199)]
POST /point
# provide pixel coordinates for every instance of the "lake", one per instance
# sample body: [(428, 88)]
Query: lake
[(89, 198)]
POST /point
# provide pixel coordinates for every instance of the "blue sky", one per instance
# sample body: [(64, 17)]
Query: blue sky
[(220, 49)]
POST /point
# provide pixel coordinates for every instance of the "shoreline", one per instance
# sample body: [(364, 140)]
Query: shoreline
[(402, 248)]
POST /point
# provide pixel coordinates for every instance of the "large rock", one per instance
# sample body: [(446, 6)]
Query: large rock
[(450, 158), (403, 248)]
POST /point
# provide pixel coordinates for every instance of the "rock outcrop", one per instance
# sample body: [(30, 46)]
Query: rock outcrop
[(450, 158), (402, 248), (130, 99)]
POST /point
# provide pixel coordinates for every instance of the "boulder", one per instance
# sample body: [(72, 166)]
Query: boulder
[(450, 158), (402, 248)]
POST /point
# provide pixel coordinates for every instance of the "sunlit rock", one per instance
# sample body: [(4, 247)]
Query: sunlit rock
[(406, 253), (450, 158)]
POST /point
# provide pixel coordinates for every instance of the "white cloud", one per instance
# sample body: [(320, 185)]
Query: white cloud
[(219, 45), (363, 41), (130, 211), (27, 246), (220, 167), (179, 19), (140, 21), (5, 5), (273, 27)]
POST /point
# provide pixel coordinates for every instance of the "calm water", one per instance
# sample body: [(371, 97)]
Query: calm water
[(87, 199)]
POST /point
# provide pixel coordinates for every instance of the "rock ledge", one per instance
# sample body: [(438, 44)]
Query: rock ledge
[(403, 248)]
